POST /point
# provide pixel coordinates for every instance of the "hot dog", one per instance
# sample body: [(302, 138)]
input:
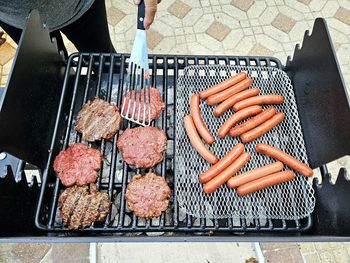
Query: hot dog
[(237, 117), (225, 105), (254, 174), (284, 158), (262, 128), (264, 182), (198, 121), (197, 142), (253, 122), (226, 174), (223, 95), (223, 85), (258, 100), (222, 164)]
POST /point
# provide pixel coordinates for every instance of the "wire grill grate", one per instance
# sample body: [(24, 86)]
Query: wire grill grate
[(290, 200)]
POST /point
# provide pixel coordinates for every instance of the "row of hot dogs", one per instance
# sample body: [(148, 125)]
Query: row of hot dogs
[(245, 103)]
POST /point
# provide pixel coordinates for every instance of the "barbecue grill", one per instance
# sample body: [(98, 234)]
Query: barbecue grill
[(46, 90)]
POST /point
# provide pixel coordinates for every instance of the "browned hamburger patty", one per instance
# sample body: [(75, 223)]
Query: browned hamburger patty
[(155, 102), (78, 164), (80, 206), (148, 196), (98, 120), (142, 147)]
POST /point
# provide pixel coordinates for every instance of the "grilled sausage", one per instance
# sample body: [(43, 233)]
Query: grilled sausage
[(225, 105), (253, 122), (198, 120), (222, 164), (237, 117), (226, 174), (223, 85), (284, 158), (258, 100), (223, 95), (197, 142), (265, 182), (254, 174), (262, 128)]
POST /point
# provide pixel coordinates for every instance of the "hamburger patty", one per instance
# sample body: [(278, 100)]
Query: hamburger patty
[(156, 103), (78, 164), (98, 120), (142, 147), (80, 206), (148, 196)]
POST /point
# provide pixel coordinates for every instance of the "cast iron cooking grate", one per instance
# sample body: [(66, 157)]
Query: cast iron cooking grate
[(90, 75)]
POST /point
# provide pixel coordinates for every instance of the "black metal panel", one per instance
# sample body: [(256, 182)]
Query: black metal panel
[(29, 105), (321, 96), (332, 211)]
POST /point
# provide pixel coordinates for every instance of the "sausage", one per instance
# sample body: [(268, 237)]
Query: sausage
[(265, 182), (258, 100), (225, 105), (198, 120), (253, 122), (237, 117), (254, 174), (263, 128), (223, 85), (226, 174), (223, 95), (197, 142), (217, 168), (284, 158)]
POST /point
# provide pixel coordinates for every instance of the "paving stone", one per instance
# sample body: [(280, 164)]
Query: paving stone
[(114, 16), (343, 15), (341, 255), (244, 5), (277, 246), (67, 253), (290, 255), (218, 30), (153, 38), (283, 23), (327, 257), (307, 247), (179, 9), (31, 252), (312, 258), (6, 53)]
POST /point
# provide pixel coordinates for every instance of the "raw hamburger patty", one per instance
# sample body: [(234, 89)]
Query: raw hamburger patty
[(80, 206), (142, 147), (156, 103), (98, 120), (148, 196), (78, 164)]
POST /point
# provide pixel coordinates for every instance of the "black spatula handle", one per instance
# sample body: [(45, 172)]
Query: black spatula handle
[(141, 15)]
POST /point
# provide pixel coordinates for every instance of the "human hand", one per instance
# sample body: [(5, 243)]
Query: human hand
[(150, 11), (2, 40)]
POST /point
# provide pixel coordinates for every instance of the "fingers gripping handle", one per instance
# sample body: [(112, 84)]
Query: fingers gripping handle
[(141, 15)]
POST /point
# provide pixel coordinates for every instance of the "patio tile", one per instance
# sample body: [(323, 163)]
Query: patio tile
[(114, 15), (218, 31), (343, 15), (283, 23), (153, 38), (6, 53), (244, 5), (179, 9)]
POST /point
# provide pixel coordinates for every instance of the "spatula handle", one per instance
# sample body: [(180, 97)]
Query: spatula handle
[(141, 15)]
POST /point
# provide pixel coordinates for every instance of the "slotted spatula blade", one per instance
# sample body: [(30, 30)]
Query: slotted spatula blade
[(136, 105)]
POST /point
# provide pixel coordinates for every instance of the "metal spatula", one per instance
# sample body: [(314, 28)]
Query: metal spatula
[(136, 105)]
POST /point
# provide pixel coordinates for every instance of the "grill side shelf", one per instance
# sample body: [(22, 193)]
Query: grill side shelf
[(322, 100)]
